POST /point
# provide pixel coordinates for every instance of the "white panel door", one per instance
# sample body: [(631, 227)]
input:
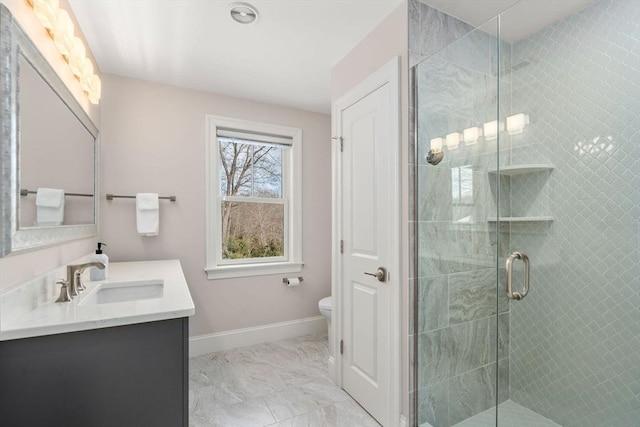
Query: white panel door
[(367, 195)]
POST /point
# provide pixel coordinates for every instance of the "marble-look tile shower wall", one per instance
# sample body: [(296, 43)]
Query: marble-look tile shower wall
[(575, 339), (429, 32), (457, 319)]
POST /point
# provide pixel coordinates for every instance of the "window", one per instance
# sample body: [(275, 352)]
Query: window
[(462, 193), (254, 199), (462, 185)]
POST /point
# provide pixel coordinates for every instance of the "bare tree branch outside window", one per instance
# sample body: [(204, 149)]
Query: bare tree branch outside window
[(253, 170)]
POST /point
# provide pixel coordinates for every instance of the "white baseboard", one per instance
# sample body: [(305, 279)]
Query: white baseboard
[(203, 344)]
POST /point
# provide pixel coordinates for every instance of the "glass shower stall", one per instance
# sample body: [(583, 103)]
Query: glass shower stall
[(527, 222)]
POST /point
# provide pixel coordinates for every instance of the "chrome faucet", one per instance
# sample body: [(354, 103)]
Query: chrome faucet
[(74, 278)]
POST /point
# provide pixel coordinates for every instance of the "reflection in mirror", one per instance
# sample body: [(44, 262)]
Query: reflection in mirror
[(56, 152), (47, 141)]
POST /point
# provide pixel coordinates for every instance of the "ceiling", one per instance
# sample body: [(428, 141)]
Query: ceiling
[(285, 58), (520, 18)]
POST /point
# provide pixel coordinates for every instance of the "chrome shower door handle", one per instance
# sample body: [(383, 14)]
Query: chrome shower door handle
[(525, 276)]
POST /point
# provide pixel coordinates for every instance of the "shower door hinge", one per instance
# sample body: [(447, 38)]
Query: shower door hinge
[(341, 347), (341, 246)]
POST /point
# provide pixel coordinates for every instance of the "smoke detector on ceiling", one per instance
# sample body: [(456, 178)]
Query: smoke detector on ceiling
[(243, 13)]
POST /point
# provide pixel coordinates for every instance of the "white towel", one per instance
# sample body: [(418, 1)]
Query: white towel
[(49, 206), (147, 214)]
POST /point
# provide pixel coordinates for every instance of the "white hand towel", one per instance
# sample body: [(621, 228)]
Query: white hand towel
[(49, 206), (147, 214)]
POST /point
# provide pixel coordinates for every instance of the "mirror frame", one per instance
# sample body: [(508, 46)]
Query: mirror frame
[(14, 42)]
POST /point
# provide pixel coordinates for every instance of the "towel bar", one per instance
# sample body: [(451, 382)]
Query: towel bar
[(115, 196), (24, 192)]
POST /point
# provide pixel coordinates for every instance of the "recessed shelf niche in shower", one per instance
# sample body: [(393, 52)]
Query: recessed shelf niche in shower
[(522, 169), (521, 173), (521, 219)]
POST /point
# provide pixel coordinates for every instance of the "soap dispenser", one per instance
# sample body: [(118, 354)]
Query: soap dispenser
[(96, 274)]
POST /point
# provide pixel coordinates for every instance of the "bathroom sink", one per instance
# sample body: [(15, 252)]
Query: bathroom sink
[(126, 291)]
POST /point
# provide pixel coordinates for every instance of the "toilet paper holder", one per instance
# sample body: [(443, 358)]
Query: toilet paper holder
[(285, 280)]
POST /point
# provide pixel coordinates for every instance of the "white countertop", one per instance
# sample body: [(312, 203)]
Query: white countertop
[(49, 317)]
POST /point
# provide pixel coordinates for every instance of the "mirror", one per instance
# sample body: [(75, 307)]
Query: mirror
[(49, 150), (59, 139)]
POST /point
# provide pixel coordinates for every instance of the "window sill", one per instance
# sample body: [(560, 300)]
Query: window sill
[(248, 270)]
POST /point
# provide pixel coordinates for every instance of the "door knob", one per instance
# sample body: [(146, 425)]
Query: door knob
[(380, 274)]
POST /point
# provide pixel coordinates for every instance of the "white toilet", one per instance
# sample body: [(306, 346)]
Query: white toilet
[(325, 306)]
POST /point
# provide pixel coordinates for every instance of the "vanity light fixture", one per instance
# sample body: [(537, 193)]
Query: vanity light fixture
[(436, 145), (46, 12), (516, 123), (243, 13), (471, 135), (453, 140), (60, 27), (96, 89), (86, 67), (491, 130), (63, 33), (76, 57)]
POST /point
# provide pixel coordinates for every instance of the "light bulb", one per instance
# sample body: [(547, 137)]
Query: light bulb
[(46, 11), (63, 32), (436, 145), (516, 123), (76, 57), (471, 135), (87, 75), (491, 129), (95, 90), (453, 140)]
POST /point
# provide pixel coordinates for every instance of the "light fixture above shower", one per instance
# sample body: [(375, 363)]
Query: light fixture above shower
[(453, 140), (516, 123), (491, 129), (488, 131), (243, 13), (471, 135)]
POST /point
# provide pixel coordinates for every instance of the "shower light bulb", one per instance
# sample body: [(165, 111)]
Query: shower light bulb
[(516, 123), (453, 140), (471, 135), (436, 145), (491, 130)]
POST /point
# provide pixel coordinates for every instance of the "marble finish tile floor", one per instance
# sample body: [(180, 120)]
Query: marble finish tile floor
[(281, 383)]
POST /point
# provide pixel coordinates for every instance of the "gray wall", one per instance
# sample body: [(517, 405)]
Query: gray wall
[(153, 139)]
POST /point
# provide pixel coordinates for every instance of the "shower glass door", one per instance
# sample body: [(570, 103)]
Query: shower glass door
[(463, 320), (528, 141), (570, 175)]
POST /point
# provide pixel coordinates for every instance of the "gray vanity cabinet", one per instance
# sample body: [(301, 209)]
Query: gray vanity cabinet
[(134, 375)]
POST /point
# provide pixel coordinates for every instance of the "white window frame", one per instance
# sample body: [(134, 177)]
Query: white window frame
[(216, 268)]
